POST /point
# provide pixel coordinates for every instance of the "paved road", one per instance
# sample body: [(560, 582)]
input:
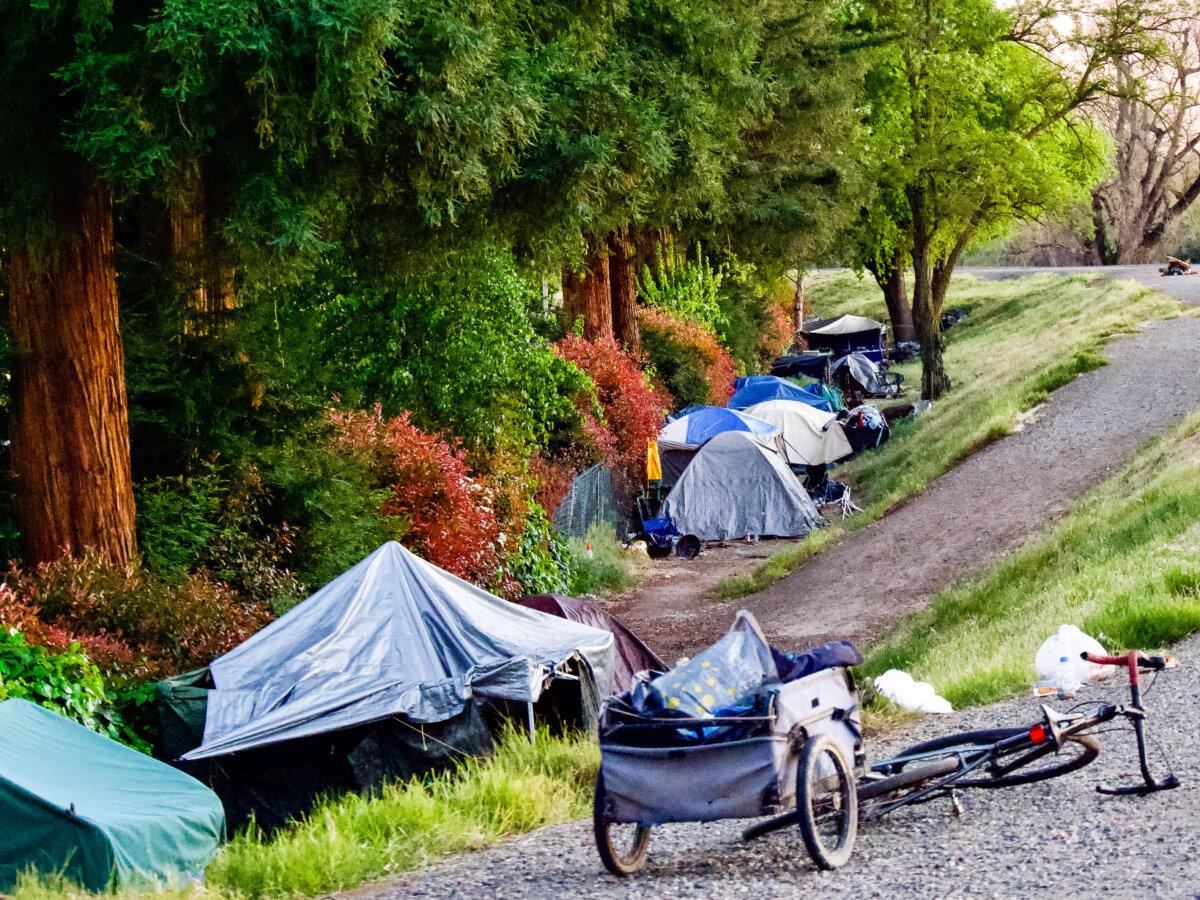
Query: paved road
[(1055, 839)]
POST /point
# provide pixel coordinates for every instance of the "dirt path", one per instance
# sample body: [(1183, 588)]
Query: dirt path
[(983, 508), (1059, 838)]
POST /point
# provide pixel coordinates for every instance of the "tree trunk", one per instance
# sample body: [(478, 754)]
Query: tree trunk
[(895, 294), (589, 295), (70, 448), (622, 260), (207, 277), (926, 314)]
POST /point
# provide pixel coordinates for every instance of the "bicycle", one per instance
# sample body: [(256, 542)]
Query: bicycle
[(1000, 757)]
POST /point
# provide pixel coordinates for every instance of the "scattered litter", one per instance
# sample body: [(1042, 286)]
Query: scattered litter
[(1070, 642), (919, 696), (1177, 267), (637, 547)]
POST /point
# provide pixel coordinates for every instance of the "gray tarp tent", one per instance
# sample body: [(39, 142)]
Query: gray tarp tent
[(736, 486), (393, 636)]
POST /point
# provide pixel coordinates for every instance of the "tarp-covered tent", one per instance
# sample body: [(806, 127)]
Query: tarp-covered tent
[(372, 676), (393, 636), (691, 431), (810, 437), (845, 334), (632, 655), (734, 487), (813, 364), (769, 387), (76, 802)]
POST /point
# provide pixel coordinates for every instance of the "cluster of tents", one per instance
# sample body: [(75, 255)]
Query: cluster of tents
[(394, 669), (758, 466)]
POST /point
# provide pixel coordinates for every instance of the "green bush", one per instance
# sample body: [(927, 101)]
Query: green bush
[(540, 564), (177, 520), (687, 289), (63, 681)]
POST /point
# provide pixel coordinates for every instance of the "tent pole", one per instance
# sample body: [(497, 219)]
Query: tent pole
[(532, 730)]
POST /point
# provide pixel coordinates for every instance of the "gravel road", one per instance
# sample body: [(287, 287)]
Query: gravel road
[(1059, 838), (979, 510)]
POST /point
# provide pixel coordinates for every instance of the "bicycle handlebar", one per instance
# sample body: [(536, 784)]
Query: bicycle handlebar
[(1133, 660)]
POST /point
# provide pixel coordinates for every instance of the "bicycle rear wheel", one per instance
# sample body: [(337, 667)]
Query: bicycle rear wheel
[(826, 805), (1023, 762)]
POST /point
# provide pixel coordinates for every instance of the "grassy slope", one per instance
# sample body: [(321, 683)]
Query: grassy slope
[(1024, 338), (1124, 565)]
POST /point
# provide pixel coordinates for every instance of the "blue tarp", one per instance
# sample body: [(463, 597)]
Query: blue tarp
[(770, 387), (705, 422)]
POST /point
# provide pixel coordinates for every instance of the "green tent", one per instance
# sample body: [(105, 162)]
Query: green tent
[(77, 802)]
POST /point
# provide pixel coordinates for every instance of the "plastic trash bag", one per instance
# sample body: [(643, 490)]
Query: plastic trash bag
[(919, 696), (1070, 641), (729, 673)]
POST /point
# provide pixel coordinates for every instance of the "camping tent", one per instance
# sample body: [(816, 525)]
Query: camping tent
[(761, 388), (736, 486), (845, 334), (632, 655), (389, 671), (859, 375), (691, 431), (810, 437), (393, 636), (76, 802), (813, 364)]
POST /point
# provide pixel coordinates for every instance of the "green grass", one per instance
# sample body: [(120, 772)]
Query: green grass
[(1023, 339), (1124, 565), (351, 840), (610, 570)]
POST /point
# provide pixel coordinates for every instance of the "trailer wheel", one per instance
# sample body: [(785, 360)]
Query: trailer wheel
[(623, 848), (826, 803)]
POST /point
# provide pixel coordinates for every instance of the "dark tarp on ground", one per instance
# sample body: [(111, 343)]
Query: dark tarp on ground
[(735, 487), (369, 679), (590, 500), (76, 802), (632, 655)]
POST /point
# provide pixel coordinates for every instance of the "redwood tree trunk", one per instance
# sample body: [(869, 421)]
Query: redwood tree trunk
[(622, 261), (588, 295), (198, 255), (70, 445)]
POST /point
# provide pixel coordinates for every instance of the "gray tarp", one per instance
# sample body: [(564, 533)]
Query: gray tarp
[(862, 370), (735, 487), (393, 636)]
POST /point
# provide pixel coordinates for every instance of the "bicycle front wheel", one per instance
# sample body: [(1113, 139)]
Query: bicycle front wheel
[(1022, 762)]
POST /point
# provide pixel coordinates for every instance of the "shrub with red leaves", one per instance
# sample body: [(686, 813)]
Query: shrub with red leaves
[(687, 357), (127, 621), (780, 332), (632, 410), (448, 516)]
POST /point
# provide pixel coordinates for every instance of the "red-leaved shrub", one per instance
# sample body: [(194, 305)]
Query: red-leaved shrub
[(780, 330), (448, 515), (127, 621), (632, 410), (688, 358)]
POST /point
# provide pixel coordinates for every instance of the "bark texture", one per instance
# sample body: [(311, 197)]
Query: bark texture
[(622, 270), (895, 294), (70, 447), (926, 306), (198, 255), (588, 294)]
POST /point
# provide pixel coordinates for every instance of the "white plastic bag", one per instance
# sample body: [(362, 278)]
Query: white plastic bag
[(1069, 641), (899, 687)]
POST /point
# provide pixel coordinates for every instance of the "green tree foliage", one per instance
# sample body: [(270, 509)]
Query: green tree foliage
[(460, 347), (972, 126)]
